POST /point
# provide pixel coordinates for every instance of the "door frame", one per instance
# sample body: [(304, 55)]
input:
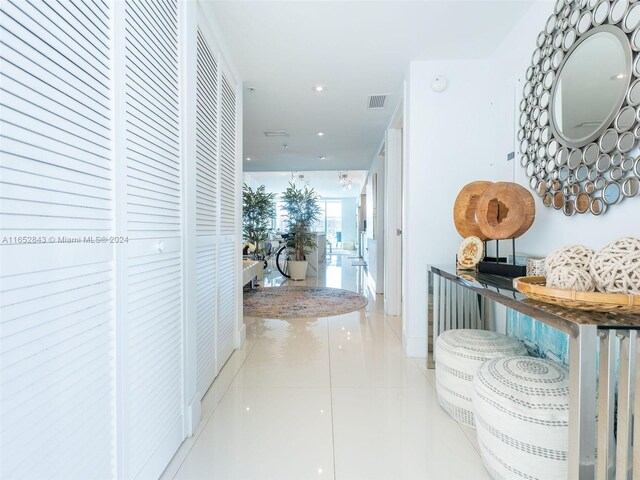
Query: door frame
[(393, 215)]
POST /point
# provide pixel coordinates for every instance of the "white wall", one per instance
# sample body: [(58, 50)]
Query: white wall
[(448, 145), (465, 134), (349, 230)]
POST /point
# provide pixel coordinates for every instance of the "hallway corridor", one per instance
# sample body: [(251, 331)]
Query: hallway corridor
[(326, 398)]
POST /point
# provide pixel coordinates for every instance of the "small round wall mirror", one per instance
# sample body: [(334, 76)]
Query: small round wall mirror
[(630, 187), (569, 208), (582, 203), (611, 193), (597, 206)]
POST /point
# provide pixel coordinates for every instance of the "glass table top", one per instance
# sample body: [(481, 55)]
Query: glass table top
[(501, 290)]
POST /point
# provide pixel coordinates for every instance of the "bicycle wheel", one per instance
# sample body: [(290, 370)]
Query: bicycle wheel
[(282, 261)]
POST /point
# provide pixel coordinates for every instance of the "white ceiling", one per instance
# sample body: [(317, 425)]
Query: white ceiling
[(323, 182), (355, 48)]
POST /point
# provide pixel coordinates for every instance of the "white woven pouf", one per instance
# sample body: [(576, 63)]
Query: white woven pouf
[(522, 417), (459, 353)]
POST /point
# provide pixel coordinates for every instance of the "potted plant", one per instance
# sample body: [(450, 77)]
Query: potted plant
[(258, 208), (302, 209)]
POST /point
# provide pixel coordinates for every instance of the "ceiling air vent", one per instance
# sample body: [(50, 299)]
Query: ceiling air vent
[(377, 101), (277, 133)]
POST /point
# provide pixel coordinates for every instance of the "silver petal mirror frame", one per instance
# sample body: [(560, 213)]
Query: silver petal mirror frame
[(565, 131)]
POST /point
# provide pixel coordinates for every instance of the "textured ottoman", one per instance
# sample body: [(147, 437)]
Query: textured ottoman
[(459, 354), (522, 417)]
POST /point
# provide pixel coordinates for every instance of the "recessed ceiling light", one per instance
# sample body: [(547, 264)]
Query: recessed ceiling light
[(321, 134), (248, 159), (318, 88), (322, 157)]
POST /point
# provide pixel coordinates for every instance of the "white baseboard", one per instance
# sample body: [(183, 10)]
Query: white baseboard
[(371, 283), (415, 347), (193, 414), (242, 336)]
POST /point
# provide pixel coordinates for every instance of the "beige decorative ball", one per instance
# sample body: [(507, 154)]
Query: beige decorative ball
[(569, 278), (574, 257), (616, 268)]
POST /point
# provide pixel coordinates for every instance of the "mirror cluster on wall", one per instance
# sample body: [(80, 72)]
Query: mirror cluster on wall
[(580, 111)]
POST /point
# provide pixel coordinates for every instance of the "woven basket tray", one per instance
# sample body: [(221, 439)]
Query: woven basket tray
[(535, 288)]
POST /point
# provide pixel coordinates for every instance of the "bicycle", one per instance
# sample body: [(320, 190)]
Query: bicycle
[(282, 256)]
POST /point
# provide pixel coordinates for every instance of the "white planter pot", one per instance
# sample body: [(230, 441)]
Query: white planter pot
[(297, 270)]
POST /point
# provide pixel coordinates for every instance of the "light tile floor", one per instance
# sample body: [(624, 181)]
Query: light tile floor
[(326, 398)]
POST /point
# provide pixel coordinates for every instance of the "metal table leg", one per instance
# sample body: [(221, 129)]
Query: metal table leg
[(582, 402), (606, 404), (625, 402), (432, 316), (636, 415)]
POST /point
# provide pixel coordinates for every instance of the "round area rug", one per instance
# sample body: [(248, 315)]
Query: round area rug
[(301, 302)]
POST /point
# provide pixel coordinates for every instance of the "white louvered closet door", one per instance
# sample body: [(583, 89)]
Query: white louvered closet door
[(206, 211), (57, 412), (228, 242), (153, 375)]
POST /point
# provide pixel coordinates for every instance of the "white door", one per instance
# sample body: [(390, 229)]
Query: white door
[(393, 223), (91, 330), (57, 328), (152, 359), (206, 211), (228, 241)]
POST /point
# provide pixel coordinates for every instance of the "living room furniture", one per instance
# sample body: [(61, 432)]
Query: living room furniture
[(460, 353), (521, 409), (458, 300), (251, 269)]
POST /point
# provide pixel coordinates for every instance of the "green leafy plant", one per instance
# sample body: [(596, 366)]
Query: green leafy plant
[(302, 209), (258, 208)]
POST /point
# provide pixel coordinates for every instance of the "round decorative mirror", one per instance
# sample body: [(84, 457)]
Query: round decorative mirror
[(580, 111), (573, 120)]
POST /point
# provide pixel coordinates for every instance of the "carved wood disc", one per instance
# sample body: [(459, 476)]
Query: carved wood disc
[(464, 209), (505, 210)]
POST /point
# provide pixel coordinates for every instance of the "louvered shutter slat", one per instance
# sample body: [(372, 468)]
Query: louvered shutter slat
[(56, 314)]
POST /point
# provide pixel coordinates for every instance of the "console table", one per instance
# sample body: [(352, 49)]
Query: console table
[(459, 299)]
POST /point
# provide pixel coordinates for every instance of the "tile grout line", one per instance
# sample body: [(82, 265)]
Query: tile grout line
[(333, 436), (469, 440), (464, 432), (196, 437)]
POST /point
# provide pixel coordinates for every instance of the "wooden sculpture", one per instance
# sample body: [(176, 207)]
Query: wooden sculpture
[(464, 210), (505, 210)]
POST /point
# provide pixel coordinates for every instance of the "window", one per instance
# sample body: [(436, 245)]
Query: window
[(333, 225)]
